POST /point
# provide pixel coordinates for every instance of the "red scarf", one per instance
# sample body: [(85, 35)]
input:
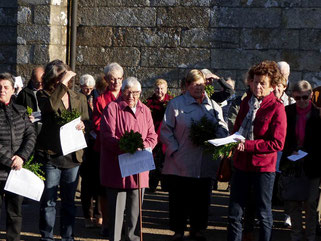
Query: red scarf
[(301, 123)]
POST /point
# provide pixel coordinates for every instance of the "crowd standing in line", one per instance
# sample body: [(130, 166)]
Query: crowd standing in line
[(164, 122)]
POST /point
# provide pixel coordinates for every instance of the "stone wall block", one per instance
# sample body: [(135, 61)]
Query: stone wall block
[(245, 17), (164, 3), (175, 57), (33, 2), (41, 54), (198, 3), (313, 77), (210, 38), (57, 52), (302, 18), (24, 54), (58, 15), (190, 17), (148, 76), (8, 35), (114, 3), (102, 56), (269, 39), (270, 3), (8, 55), (94, 36), (227, 3), (147, 37), (42, 14), (143, 17), (310, 39), (311, 3), (239, 59), (24, 15), (8, 16), (34, 33), (302, 60)]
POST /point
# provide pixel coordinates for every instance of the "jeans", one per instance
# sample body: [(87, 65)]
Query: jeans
[(13, 204), (67, 179), (262, 185)]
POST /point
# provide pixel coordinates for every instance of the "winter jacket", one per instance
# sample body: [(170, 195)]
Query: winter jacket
[(17, 136)]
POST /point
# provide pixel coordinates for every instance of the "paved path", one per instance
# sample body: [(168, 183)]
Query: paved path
[(155, 220)]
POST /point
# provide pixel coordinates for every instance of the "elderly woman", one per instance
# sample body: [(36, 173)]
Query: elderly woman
[(262, 121), (55, 99), (303, 125), (189, 170), (89, 169), (17, 140), (157, 104), (125, 114), (114, 77)]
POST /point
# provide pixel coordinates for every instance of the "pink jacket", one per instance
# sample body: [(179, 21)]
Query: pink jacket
[(116, 119), (260, 154)]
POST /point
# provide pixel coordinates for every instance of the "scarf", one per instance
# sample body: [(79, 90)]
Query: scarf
[(302, 116), (247, 126)]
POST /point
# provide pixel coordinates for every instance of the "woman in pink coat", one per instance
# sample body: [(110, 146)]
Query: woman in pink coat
[(125, 114)]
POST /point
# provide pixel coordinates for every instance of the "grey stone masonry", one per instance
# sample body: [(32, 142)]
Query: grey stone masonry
[(165, 38)]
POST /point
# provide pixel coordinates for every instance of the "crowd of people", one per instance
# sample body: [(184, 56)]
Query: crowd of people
[(275, 125)]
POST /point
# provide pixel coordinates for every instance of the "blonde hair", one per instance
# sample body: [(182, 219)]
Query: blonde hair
[(193, 76), (302, 86), (160, 82)]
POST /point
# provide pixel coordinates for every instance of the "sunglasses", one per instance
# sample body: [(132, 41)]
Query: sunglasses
[(304, 97)]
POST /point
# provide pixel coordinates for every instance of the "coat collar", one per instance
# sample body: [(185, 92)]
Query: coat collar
[(189, 100), (123, 105)]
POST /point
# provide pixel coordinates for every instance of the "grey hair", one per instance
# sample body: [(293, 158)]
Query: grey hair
[(88, 80), (284, 68), (113, 67), (7, 76), (130, 82), (302, 86)]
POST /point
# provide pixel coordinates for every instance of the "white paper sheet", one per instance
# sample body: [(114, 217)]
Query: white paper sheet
[(230, 139), (299, 156), (72, 139), (25, 183), (140, 161), (18, 82)]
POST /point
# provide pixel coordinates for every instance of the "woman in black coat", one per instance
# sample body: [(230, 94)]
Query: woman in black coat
[(17, 140)]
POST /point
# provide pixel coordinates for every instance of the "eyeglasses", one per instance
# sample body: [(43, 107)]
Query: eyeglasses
[(303, 97), (134, 93)]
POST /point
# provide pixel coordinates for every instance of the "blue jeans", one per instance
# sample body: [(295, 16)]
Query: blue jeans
[(262, 185), (67, 179)]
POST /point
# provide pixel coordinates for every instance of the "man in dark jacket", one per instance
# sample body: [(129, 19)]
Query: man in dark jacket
[(27, 96), (17, 140)]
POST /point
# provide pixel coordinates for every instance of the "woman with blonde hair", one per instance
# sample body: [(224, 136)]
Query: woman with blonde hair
[(188, 168)]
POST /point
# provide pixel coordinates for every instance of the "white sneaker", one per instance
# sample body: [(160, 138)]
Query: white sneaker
[(287, 221)]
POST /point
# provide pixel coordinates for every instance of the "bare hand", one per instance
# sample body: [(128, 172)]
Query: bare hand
[(210, 78), (241, 146), (32, 118), (17, 162), (67, 77), (80, 126)]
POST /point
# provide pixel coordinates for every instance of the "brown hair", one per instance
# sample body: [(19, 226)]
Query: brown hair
[(101, 84), (269, 68), (193, 76), (54, 72)]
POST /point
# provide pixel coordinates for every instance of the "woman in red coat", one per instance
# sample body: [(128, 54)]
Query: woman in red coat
[(262, 121)]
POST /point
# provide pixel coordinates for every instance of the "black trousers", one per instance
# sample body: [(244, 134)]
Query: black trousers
[(13, 204), (188, 198)]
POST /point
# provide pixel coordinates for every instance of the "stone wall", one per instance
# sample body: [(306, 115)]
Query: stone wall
[(165, 38), (37, 34)]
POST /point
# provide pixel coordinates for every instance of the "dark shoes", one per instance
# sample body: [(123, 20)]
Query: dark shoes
[(197, 236), (177, 237)]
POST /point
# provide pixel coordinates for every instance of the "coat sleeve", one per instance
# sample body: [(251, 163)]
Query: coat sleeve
[(151, 137), (108, 123), (97, 112), (29, 139), (167, 135), (222, 129), (277, 127)]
